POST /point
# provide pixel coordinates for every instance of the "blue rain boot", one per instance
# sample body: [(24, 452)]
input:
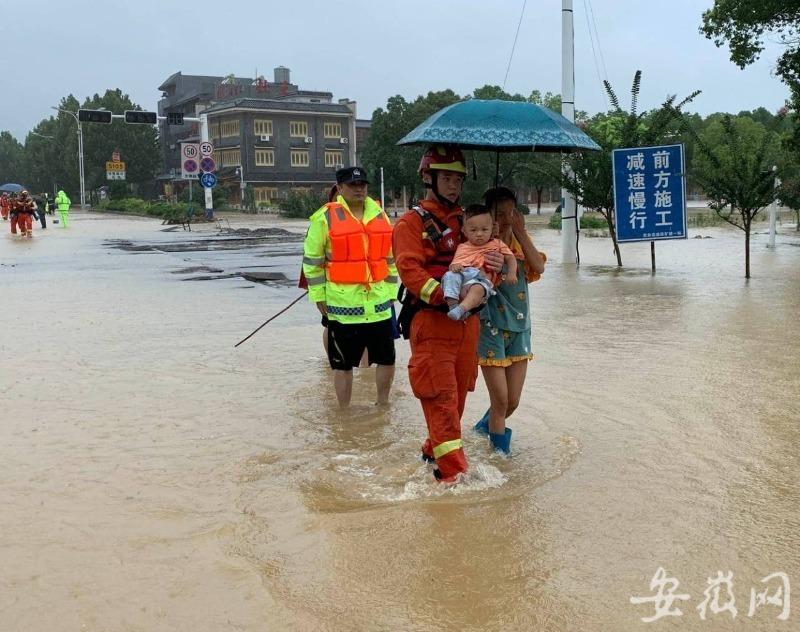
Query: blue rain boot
[(501, 442), (482, 427)]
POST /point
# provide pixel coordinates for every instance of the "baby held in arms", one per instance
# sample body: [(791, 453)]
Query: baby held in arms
[(467, 285)]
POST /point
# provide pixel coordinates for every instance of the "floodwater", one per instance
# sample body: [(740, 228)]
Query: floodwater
[(154, 478)]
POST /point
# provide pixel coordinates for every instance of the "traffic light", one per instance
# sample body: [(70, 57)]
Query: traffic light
[(94, 116), (138, 116), (174, 118)]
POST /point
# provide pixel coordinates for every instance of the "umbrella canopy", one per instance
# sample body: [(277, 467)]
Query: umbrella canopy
[(11, 187), (496, 125)]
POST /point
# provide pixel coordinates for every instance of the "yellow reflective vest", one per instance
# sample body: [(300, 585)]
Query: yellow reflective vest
[(347, 302)]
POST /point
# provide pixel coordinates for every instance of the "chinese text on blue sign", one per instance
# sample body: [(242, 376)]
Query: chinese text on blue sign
[(649, 193)]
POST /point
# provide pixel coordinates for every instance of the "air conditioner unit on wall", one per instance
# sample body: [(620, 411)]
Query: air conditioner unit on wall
[(343, 141), (265, 138), (308, 139)]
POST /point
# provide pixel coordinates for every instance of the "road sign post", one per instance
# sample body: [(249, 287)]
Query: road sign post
[(649, 194), (207, 166), (190, 161), (115, 170), (208, 180)]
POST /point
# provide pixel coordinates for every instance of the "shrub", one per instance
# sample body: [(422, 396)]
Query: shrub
[(588, 220), (300, 204), (118, 190)]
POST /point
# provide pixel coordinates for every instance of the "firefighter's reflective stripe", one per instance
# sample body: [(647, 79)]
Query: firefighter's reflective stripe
[(428, 289), (313, 261), (316, 280), (445, 448)]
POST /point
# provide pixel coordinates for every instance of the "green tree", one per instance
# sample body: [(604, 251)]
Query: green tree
[(11, 159), (54, 160), (590, 176), (137, 144), (389, 125), (789, 193), (733, 163), (41, 157), (743, 25)]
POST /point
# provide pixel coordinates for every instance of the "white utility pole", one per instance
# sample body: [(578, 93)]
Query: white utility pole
[(569, 210), (204, 139), (383, 200), (80, 154), (773, 208)]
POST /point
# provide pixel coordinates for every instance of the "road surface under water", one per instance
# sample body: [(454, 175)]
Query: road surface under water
[(153, 477)]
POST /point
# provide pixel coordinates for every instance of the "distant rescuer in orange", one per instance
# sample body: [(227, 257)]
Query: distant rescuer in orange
[(444, 361), (22, 215), (5, 205)]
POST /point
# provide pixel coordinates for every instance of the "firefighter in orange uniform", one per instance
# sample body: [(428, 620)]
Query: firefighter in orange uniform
[(22, 215), (5, 205), (444, 363)]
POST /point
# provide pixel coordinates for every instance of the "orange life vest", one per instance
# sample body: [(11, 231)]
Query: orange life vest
[(358, 251)]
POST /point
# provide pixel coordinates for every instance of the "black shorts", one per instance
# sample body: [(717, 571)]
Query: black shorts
[(346, 344)]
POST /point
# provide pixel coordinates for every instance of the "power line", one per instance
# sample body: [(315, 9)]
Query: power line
[(514, 45), (594, 54), (597, 37)]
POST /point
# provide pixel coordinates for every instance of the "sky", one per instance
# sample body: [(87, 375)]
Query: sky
[(368, 50)]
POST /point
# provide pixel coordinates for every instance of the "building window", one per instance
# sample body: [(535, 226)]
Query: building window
[(228, 157), (334, 159), (213, 130), (298, 129), (301, 190), (229, 128), (299, 158), (265, 195), (265, 157), (333, 130), (262, 127)]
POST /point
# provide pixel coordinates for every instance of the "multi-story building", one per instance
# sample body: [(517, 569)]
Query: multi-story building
[(272, 137)]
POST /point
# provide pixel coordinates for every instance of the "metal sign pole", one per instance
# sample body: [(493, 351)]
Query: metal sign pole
[(383, 201)]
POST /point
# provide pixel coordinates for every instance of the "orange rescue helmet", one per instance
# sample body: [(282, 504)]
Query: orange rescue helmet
[(443, 158)]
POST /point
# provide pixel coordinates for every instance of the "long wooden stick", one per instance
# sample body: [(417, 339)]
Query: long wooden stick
[(269, 320)]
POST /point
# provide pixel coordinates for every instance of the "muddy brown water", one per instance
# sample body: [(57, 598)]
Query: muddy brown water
[(152, 477)]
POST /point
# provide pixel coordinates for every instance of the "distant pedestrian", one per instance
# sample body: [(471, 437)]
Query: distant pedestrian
[(63, 203), (41, 210)]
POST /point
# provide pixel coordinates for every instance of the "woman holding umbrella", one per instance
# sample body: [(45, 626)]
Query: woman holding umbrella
[(504, 345)]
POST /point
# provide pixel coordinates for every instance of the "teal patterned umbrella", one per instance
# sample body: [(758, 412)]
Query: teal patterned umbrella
[(495, 125)]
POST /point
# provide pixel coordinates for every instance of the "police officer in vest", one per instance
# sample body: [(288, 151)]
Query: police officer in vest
[(352, 279)]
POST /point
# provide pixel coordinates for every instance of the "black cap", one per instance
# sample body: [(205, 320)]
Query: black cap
[(351, 174)]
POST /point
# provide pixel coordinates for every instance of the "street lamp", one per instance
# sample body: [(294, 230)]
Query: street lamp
[(240, 173), (80, 153)]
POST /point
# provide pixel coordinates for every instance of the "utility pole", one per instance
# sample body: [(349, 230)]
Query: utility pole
[(773, 208), (383, 200), (80, 154), (209, 199), (569, 209)]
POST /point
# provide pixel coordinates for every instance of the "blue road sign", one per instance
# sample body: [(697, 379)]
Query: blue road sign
[(649, 193), (208, 180)]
